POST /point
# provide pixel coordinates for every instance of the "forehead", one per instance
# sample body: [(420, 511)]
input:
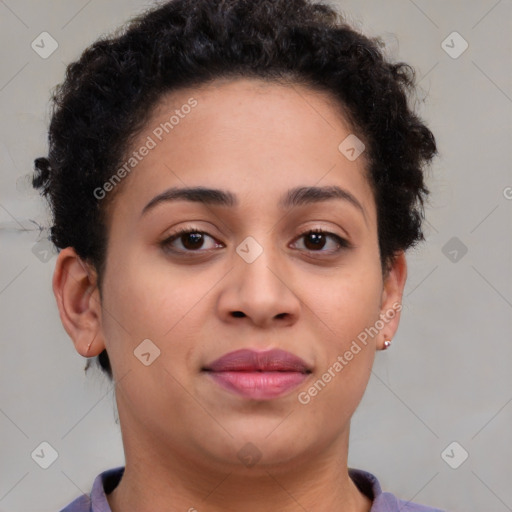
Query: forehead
[(254, 137), (253, 104)]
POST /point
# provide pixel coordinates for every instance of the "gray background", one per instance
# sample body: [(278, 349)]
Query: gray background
[(447, 375)]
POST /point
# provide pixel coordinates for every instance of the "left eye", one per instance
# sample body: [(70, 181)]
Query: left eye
[(193, 239), (317, 240)]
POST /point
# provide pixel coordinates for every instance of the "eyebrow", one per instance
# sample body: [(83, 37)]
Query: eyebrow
[(298, 196)]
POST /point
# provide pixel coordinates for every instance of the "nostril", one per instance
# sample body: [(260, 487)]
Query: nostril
[(238, 314)]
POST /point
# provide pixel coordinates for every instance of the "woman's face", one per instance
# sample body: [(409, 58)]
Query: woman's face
[(255, 280)]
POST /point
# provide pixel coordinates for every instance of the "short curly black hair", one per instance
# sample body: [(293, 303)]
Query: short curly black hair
[(108, 95)]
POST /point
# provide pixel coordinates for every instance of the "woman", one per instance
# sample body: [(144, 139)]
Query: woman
[(234, 185)]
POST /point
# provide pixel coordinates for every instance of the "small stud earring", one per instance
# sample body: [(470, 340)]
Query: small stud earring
[(387, 343), (89, 346)]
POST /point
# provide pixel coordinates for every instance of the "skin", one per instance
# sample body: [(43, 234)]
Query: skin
[(181, 431)]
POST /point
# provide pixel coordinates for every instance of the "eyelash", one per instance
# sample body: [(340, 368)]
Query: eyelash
[(166, 244)]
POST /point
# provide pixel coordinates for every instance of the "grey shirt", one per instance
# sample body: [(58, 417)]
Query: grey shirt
[(367, 483)]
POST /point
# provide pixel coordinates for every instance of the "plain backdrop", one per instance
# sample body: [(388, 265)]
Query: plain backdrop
[(446, 379)]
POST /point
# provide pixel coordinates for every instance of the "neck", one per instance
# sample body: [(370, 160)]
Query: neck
[(161, 478)]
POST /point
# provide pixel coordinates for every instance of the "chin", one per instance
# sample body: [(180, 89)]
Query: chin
[(264, 445)]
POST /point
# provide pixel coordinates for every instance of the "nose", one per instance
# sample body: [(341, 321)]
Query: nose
[(260, 293)]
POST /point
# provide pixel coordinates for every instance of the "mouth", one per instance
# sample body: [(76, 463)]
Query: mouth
[(258, 375)]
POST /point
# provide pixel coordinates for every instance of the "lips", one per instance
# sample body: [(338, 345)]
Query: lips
[(258, 375), (246, 360)]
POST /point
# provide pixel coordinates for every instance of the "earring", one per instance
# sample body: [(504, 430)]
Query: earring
[(387, 343), (89, 346)]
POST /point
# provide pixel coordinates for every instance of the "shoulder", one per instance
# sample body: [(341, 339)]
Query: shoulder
[(384, 501), (81, 504), (96, 501), (388, 502)]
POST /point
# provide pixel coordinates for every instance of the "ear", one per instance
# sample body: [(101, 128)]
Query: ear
[(391, 301), (78, 299)]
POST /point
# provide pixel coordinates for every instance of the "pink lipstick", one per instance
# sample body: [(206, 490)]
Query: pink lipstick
[(258, 375)]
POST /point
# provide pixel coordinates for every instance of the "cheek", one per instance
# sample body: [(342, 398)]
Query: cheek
[(344, 310), (345, 352), (346, 302), (147, 292), (141, 302)]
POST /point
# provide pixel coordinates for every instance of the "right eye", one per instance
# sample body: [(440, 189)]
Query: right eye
[(191, 240)]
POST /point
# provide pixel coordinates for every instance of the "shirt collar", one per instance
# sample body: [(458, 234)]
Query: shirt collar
[(367, 483)]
